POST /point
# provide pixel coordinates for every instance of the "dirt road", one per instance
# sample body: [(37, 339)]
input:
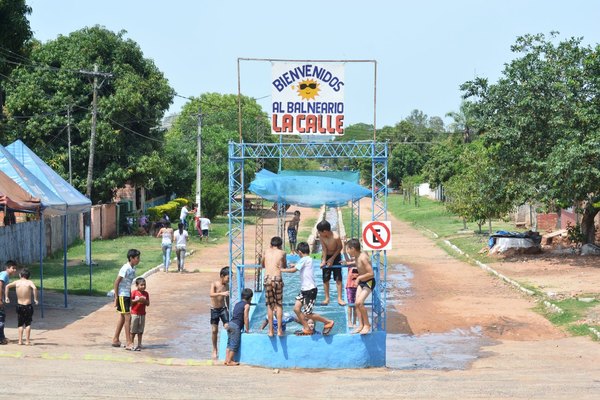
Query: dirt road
[(518, 354)]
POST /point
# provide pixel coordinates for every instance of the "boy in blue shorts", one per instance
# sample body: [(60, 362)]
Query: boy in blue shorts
[(240, 319)]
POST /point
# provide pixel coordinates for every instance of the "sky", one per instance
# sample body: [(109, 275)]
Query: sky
[(424, 50)]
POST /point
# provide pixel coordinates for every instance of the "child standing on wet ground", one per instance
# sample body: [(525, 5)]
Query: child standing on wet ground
[(219, 306), (274, 262), (240, 319), (366, 284), (25, 291), (140, 299), (305, 301)]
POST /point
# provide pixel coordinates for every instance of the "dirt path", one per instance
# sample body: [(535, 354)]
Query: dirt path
[(526, 358)]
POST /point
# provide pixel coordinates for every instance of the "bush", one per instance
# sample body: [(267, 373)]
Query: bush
[(172, 209)]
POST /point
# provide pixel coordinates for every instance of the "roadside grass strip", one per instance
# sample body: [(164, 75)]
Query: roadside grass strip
[(567, 315)]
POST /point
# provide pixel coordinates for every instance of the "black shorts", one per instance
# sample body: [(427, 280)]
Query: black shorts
[(24, 314), (307, 298), (217, 314), (337, 272), (370, 284), (124, 305)]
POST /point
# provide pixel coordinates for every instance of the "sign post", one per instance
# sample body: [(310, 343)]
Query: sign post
[(377, 235)]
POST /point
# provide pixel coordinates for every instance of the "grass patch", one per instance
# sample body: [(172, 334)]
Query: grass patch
[(110, 254), (432, 215), (574, 312)]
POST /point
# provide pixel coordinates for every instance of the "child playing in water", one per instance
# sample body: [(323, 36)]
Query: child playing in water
[(305, 301), (351, 285), (366, 284), (239, 320), (287, 318), (25, 289), (274, 262)]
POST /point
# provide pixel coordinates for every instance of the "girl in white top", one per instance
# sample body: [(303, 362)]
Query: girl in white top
[(181, 237), (166, 234)]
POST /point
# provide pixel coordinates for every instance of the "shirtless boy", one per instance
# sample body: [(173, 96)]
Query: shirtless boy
[(219, 306), (366, 283), (331, 246), (25, 289), (292, 230), (273, 262)]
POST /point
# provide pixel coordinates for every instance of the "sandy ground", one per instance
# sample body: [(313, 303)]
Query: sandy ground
[(519, 354)]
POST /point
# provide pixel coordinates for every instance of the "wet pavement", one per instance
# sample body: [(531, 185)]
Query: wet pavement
[(454, 350)]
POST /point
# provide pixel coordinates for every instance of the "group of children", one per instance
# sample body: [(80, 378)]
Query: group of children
[(131, 305)]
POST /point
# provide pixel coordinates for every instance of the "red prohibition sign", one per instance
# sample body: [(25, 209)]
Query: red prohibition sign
[(371, 227)]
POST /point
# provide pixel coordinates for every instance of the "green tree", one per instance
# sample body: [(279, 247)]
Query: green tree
[(404, 161), (15, 34), (130, 106), (543, 117), (478, 192), (219, 127)]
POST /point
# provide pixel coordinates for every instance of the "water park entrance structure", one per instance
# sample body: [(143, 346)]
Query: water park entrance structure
[(340, 349)]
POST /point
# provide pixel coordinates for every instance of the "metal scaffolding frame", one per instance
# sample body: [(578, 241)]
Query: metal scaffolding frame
[(376, 151)]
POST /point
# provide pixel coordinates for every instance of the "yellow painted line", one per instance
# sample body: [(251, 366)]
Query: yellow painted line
[(109, 357), (194, 363), (48, 356), (16, 354)]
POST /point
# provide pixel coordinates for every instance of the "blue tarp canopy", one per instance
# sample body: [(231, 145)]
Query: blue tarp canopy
[(75, 202), (307, 190), (57, 196), (52, 204)]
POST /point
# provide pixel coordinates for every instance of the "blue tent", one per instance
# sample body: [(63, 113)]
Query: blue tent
[(75, 202), (57, 196), (52, 204)]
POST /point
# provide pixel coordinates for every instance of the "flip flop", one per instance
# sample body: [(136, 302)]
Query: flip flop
[(137, 349), (116, 344), (129, 348), (328, 327), (303, 332)]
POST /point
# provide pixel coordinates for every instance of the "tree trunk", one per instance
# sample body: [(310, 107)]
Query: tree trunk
[(490, 225), (587, 224)]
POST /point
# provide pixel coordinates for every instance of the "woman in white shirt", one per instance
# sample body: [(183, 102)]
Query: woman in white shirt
[(166, 234), (181, 236)]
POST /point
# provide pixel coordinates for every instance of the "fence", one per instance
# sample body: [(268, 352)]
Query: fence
[(21, 242)]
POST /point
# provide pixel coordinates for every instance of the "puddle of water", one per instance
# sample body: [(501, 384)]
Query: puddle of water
[(440, 351), (398, 283), (454, 350)]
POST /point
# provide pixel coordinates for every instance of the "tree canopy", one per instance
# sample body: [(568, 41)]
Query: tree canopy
[(543, 119), (131, 104), (219, 127)]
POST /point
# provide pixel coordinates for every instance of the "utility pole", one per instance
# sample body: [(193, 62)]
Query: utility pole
[(95, 74), (198, 164), (69, 136), (87, 217)]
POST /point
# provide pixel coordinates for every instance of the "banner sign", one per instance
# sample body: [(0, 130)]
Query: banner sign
[(307, 99)]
